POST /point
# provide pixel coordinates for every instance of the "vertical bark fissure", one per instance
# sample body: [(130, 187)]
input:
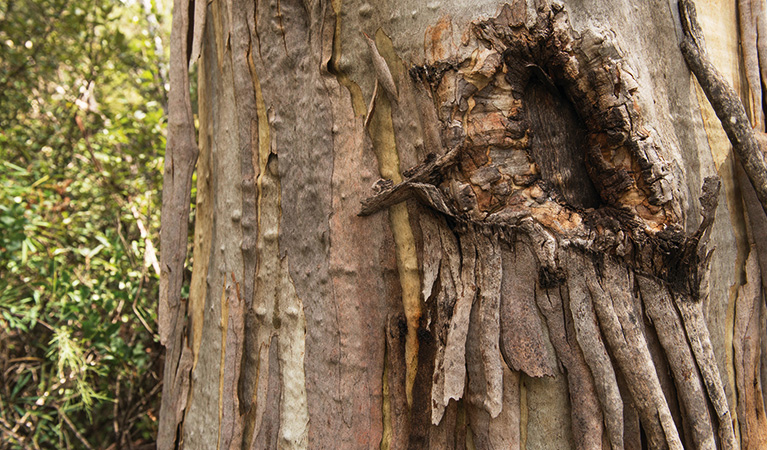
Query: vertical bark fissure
[(232, 330), (382, 135), (261, 334)]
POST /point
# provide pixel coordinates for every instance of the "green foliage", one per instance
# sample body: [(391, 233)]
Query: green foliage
[(82, 92)]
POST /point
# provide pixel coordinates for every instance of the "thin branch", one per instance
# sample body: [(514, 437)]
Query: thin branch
[(19, 439), (135, 308), (73, 428)]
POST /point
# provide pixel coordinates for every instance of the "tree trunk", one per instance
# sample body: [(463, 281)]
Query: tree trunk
[(459, 225)]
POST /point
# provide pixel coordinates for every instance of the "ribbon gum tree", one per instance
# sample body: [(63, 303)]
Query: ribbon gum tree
[(465, 225)]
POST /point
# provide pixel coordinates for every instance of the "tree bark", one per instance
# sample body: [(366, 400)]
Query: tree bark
[(456, 225)]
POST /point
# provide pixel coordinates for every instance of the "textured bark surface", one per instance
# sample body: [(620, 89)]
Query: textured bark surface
[(180, 158), (531, 270)]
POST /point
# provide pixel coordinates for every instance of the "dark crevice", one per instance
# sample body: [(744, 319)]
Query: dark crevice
[(558, 143)]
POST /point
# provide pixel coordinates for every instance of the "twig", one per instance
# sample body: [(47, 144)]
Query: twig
[(19, 439), (6, 427), (150, 255), (135, 309), (96, 164), (116, 409), (73, 428), (372, 104), (724, 100), (122, 239)]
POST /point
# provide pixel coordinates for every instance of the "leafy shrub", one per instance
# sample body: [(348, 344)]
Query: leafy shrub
[(82, 126)]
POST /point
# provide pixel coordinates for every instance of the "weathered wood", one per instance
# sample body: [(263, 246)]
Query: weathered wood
[(748, 22), (619, 324), (700, 343), (522, 334), (667, 323), (745, 342), (595, 354), (559, 142)]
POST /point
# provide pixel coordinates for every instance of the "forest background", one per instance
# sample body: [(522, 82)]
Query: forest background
[(82, 136)]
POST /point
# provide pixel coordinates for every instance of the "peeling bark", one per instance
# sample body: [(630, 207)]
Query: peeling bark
[(725, 101), (619, 322), (180, 158), (492, 179), (667, 323), (537, 208), (594, 351), (489, 285), (751, 410), (522, 337), (587, 421)]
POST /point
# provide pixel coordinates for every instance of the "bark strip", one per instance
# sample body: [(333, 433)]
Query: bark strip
[(746, 345), (489, 298), (180, 158), (724, 100), (442, 242), (455, 349), (700, 342), (522, 336), (594, 352), (586, 413), (667, 323), (620, 326)]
